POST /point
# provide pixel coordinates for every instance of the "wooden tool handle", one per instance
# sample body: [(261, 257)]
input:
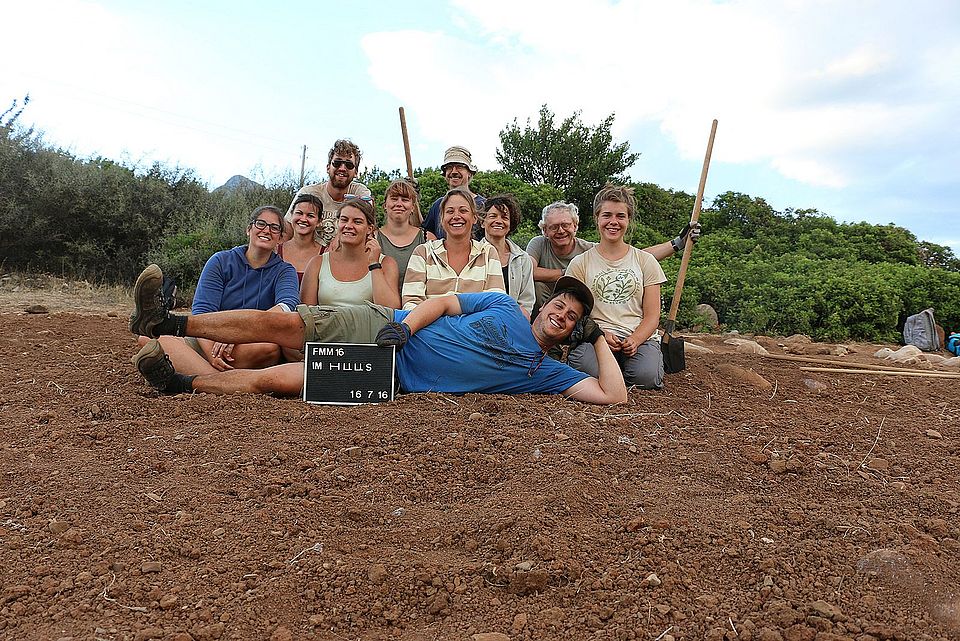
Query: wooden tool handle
[(682, 274), (406, 142)]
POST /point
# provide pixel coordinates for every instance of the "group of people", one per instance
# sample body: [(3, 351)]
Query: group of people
[(468, 309)]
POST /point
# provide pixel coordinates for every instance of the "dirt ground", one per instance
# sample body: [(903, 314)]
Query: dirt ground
[(820, 508)]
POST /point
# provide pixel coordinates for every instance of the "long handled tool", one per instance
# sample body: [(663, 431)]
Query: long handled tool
[(406, 143), (672, 346)]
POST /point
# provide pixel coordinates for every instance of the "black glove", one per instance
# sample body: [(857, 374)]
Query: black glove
[(414, 182), (691, 231), (586, 331), (393, 335)]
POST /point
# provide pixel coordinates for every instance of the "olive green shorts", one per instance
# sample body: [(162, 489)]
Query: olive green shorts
[(347, 324)]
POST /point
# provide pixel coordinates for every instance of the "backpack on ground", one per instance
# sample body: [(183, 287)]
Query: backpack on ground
[(920, 330), (953, 344)]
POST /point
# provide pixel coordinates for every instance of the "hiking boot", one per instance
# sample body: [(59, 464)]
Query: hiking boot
[(154, 365), (150, 307)]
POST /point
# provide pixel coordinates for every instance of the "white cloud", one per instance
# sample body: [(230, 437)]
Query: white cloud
[(801, 87)]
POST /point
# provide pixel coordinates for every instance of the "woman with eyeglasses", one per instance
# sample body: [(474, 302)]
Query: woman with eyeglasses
[(457, 264), (249, 276), (499, 217), (306, 213), (355, 271)]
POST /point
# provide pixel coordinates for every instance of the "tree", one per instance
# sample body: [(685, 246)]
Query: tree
[(574, 157)]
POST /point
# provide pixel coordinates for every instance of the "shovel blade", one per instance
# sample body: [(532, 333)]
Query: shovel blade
[(673, 358)]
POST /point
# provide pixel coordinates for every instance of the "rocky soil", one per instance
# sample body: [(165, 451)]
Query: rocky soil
[(749, 500)]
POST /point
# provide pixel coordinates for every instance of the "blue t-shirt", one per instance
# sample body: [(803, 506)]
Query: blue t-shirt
[(488, 349), (228, 281)]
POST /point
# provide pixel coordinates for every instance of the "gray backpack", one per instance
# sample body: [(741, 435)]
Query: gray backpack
[(920, 330)]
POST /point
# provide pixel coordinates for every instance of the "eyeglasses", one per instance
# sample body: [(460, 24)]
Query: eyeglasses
[(261, 224), (559, 226), (349, 164), (366, 199)]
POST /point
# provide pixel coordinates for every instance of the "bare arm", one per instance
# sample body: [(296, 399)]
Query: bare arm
[(661, 251), (430, 310), (309, 286), (609, 389), (386, 291), (651, 318)]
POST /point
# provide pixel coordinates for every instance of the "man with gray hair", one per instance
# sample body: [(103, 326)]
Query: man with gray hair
[(553, 251)]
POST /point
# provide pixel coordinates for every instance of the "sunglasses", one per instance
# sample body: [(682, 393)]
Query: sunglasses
[(261, 224), (337, 164), (366, 199)]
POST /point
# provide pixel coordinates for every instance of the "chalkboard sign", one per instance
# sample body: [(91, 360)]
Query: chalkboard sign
[(347, 373)]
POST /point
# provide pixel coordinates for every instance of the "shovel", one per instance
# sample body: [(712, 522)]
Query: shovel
[(670, 345)]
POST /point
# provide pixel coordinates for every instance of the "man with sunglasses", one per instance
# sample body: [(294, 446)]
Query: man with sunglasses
[(458, 344), (458, 170), (343, 162)]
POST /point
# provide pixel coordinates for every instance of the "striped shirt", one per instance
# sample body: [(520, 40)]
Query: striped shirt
[(429, 273)]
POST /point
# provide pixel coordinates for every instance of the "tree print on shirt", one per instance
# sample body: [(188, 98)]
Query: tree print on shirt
[(615, 286)]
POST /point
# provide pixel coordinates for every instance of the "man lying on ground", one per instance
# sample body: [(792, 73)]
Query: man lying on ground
[(457, 344)]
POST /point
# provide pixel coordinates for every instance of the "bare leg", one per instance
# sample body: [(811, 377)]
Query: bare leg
[(245, 355), (285, 380), (249, 326), (184, 358)]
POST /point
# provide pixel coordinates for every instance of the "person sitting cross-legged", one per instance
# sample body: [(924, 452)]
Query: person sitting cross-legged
[(458, 344)]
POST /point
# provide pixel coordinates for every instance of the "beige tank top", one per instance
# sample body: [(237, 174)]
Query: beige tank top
[(331, 291)]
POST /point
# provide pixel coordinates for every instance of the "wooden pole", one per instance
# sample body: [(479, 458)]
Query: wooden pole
[(406, 142), (682, 274), (303, 165), (827, 361), (882, 372)]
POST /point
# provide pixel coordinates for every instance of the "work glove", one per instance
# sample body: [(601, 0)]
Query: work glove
[(585, 331), (393, 335), (413, 181), (691, 231)]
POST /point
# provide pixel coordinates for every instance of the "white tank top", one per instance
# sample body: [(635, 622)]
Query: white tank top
[(331, 291)]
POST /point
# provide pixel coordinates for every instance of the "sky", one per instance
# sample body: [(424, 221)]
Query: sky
[(846, 106)]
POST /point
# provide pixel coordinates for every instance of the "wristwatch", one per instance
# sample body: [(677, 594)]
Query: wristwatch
[(375, 266)]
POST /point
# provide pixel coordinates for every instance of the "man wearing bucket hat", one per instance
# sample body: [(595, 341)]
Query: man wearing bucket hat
[(457, 169), (458, 344)]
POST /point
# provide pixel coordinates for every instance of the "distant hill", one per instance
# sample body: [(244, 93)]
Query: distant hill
[(238, 183)]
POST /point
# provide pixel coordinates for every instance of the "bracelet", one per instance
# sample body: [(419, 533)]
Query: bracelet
[(375, 266)]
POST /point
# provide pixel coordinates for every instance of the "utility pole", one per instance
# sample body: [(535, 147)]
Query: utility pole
[(303, 164)]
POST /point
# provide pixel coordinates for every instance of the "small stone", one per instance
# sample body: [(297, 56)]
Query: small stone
[(524, 566), (777, 466), (168, 601), (36, 309), (562, 437), (934, 434), (519, 623), (377, 573), (352, 452), (490, 636), (219, 531), (652, 580), (148, 633), (153, 497), (826, 610), (112, 314), (476, 416), (150, 566), (315, 620), (58, 527), (879, 465), (816, 386), (282, 633)]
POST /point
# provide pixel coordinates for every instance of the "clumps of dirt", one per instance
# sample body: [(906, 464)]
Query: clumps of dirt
[(715, 509)]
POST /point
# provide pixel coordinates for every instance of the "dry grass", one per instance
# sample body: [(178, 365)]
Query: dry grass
[(19, 290)]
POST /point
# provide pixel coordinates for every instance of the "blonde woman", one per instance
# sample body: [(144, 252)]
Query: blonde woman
[(457, 264), (401, 232)]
